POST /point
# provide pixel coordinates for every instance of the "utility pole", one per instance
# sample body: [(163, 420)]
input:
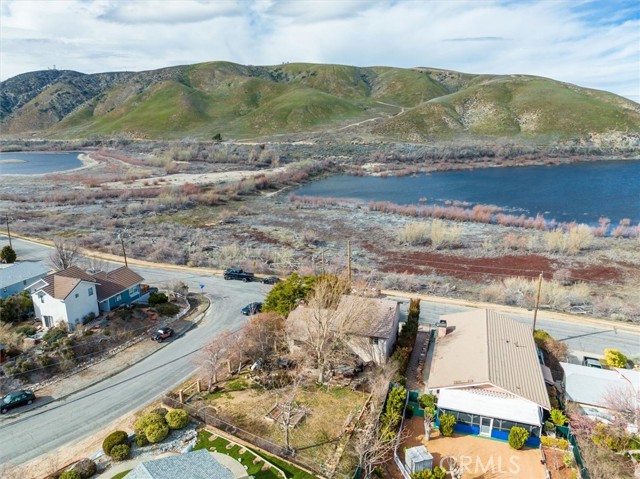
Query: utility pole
[(535, 311), (124, 253), (349, 263), (8, 231)]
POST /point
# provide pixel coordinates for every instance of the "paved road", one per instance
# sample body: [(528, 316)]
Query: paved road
[(42, 430)]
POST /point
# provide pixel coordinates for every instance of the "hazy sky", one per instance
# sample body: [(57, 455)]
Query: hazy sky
[(590, 43)]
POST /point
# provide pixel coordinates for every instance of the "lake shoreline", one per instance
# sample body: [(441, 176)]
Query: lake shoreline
[(86, 161)]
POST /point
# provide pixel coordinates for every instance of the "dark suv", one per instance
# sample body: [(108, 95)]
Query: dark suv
[(238, 274), (15, 399)]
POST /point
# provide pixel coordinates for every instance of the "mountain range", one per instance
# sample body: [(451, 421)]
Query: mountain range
[(244, 101)]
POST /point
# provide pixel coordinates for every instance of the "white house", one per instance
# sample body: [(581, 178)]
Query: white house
[(71, 294), (589, 389), (371, 325), (66, 296), (485, 371)]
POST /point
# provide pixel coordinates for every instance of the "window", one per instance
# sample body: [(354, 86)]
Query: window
[(119, 297), (374, 340), (48, 321), (133, 291), (90, 290), (41, 296), (24, 282), (77, 295)]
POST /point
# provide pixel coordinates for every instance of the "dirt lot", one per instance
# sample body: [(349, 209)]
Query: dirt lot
[(481, 458), (315, 436)]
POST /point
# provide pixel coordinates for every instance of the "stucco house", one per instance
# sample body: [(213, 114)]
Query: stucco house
[(589, 389), (70, 295), (485, 371), (15, 277), (371, 325)]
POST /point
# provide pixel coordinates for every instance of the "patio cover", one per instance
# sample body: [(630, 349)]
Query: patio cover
[(490, 404)]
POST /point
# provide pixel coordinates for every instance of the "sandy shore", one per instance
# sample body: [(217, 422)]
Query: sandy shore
[(200, 179)]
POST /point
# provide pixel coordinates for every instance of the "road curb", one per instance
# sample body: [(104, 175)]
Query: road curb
[(162, 345)]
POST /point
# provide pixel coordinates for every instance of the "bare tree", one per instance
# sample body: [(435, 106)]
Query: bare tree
[(213, 357), (288, 407), (374, 441), (624, 401), (65, 254), (324, 330), (264, 335)]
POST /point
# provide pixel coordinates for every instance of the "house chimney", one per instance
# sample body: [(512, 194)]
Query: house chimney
[(442, 328)]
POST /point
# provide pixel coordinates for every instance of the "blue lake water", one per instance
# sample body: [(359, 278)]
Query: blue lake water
[(579, 192), (33, 163)]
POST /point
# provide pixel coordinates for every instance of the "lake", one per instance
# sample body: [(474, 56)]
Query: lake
[(35, 163), (579, 192)]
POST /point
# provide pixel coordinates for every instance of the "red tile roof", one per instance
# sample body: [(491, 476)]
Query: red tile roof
[(116, 281)]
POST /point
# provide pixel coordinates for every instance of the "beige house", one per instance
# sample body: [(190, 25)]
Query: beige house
[(485, 371), (369, 324)]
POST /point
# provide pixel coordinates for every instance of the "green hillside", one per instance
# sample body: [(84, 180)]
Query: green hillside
[(245, 101), (517, 106)]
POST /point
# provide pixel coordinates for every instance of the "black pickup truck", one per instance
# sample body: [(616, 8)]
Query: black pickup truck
[(239, 275)]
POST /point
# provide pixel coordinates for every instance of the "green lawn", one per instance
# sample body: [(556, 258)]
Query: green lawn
[(122, 474), (220, 444)]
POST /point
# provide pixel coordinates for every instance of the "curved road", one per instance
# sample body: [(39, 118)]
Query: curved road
[(39, 431)]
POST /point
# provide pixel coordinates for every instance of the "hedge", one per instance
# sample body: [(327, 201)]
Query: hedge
[(141, 440), (177, 419), (517, 437), (120, 452), (114, 439)]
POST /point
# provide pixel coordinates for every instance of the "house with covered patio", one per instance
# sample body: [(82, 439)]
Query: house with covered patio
[(485, 371)]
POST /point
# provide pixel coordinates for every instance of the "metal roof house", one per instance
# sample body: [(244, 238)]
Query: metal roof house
[(485, 371), (15, 277), (198, 464), (589, 387)]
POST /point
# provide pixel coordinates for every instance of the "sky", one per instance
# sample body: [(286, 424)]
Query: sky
[(590, 43)]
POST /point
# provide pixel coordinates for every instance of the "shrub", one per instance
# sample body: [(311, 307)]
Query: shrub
[(26, 330), (89, 317), (447, 424), (120, 452), (556, 442), (53, 335), (156, 432), (167, 309), (86, 468), (8, 255), (517, 437), (548, 426), (567, 459), (157, 298), (414, 234), (141, 440), (615, 358), (114, 439), (558, 418), (70, 475), (426, 401), (148, 419), (177, 419), (160, 411)]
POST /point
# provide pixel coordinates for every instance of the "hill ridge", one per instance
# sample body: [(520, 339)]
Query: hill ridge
[(204, 99)]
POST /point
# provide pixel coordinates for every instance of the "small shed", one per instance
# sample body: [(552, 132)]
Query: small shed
[(418, 459)]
